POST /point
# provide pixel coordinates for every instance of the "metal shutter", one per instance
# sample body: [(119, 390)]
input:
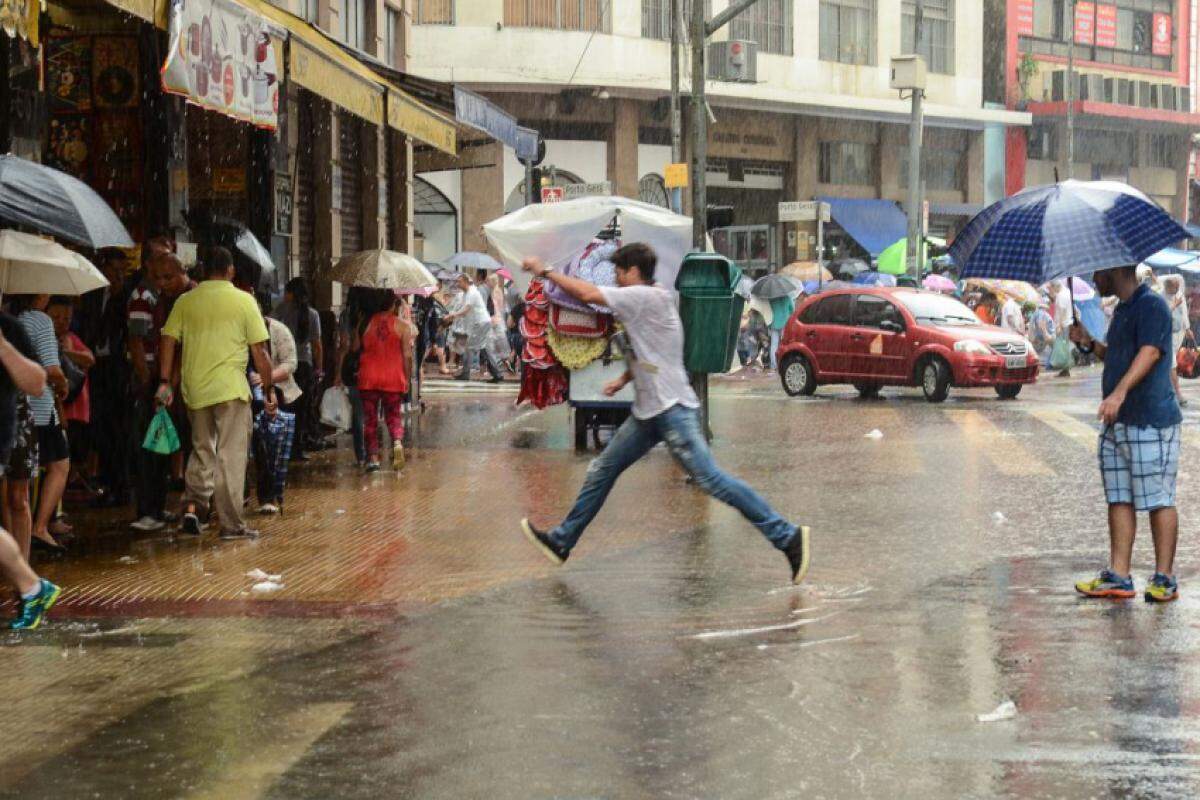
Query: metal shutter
[(350, 161)]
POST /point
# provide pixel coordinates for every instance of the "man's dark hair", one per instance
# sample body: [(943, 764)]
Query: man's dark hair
[(60, 300), (637, 255), (218, 262)]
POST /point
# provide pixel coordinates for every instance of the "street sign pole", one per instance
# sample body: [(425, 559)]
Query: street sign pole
[(820, 251), (676, 112)]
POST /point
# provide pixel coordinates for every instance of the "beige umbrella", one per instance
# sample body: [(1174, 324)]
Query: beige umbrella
[(382, 269), (32, 265), (806, 271)]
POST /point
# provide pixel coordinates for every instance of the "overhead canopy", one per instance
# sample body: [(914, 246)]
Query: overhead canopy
[(874, 224)]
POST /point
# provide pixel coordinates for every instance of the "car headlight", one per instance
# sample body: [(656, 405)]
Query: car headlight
[(972, 346)]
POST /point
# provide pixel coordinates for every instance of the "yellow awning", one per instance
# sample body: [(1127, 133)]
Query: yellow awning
[(409, 116), (335, 82)]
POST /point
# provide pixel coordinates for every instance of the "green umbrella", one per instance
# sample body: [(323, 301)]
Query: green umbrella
[(894, 259)]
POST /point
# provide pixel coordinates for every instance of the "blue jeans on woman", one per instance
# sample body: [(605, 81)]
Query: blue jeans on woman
[(356, 425), (679, 427)]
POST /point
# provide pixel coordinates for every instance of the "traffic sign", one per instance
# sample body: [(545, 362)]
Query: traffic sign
[(803, 211), (552, 194), (675, 176)]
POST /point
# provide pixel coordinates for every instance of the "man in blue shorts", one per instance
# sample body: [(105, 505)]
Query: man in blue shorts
[(1139, 444)]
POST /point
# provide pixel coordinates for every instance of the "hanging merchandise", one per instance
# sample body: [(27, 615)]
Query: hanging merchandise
[(594, 266), (543, 380), (576, 352), (69, 74), (115, 72)]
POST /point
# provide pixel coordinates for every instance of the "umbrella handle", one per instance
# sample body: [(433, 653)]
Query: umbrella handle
[(1071, 294)]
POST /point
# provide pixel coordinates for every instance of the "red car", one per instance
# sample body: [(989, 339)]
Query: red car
[(874, 337)]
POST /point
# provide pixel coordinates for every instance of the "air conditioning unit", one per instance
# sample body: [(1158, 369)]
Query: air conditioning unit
[(734, 61), (1143, 94), (1125, 91)]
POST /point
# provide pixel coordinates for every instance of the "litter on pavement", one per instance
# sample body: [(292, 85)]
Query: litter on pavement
[(1006, 710), (875, 434)]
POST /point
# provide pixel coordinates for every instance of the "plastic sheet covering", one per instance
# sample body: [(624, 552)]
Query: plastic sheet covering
[(558, 232)]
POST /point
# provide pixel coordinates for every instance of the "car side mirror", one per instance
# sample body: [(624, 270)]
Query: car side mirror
[(891, 326)]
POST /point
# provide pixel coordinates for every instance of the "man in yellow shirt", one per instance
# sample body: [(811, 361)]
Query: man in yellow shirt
[(218, 325)]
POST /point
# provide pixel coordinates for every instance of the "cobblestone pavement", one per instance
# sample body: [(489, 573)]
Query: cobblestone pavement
[(420, 648)]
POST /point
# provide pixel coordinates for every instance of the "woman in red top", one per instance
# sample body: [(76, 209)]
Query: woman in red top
[(384, 354)]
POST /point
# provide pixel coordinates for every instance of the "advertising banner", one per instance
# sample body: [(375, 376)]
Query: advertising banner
[(1025, 17), (1106, 26), (1085, 23), (1161, 43), (221, 58)]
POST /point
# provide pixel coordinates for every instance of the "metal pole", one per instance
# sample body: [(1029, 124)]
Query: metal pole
[(699, 129), (915, 132), (820, 246), (676, 23), (1071, 95), (528, 183)]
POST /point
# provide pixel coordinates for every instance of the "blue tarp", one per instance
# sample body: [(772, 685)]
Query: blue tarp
[(874, 224), (1091, 314)]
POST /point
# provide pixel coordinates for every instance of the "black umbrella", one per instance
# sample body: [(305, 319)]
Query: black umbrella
[(219, 230), (49, 201), (776, 285)]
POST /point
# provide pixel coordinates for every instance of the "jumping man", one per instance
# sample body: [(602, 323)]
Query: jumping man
[(664, 410)]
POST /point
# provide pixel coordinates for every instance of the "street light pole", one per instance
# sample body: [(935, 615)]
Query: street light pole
[(699, 128), (916, 130), (676, 23), (1071, 95)]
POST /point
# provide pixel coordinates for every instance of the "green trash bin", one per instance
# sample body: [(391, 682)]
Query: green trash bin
[(710, 309)]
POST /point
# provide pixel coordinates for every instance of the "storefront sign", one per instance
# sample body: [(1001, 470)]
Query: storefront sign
[(1161, 43), (415, 120), (803, 211), (675, 176), (1025, 17), (284, 204), (20, 18), (552, 194), (221, 58), (1106, 26), (1085, 23), (482, 114), (574, 191)]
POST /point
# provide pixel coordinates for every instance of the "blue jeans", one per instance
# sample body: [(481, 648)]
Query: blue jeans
[(679, 427), (775, 334), (356, 425)]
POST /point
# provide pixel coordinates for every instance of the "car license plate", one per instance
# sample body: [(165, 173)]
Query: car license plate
[(1014, 362)]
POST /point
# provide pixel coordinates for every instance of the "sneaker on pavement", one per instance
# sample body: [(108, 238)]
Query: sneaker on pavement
[(190, 523), (555, 552), (268, 509), (798, 552), (31, 612), (1162, 589), (240, 533), (1107, 584), (147, 524), (397, 456)]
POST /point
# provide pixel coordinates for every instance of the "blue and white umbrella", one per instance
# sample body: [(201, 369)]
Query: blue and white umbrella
[(1070, 228), (465, 261), (874, 279)]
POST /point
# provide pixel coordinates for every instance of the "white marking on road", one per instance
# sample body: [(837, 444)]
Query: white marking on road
[(729, 634)]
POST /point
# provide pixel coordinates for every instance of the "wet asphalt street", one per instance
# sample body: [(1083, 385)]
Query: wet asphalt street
[(420, 648)]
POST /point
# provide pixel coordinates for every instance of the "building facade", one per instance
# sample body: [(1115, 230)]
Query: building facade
[(1134, 107), (593, 77)]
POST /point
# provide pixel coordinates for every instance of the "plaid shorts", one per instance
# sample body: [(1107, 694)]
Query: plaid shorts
[(1138, 465)]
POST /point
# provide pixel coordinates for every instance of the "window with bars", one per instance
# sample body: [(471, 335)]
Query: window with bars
[(1163, 149), (847, 164), (1043, 143), (656, 17), (768, 22), (567, 15), (847, 31), (937, 33), (943, 160), (435, 12)]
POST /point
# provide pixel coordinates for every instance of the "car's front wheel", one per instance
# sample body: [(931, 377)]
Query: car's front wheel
[(935, 380), (1008, 391), (796, 375)]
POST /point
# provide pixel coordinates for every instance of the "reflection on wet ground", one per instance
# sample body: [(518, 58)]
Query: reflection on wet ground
[(418, 649)]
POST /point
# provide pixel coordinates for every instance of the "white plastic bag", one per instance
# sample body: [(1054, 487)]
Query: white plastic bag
[(335, 408)]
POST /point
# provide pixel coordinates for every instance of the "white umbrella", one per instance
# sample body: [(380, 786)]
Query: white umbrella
[(557, 232), (32, 265), (382, 269)]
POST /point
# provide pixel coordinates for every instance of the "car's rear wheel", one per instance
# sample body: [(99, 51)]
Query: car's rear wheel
[(796, 375), (1008, 391), (935, 379), (868, 391)]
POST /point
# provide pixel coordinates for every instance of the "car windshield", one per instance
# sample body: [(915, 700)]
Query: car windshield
[(938, 310)]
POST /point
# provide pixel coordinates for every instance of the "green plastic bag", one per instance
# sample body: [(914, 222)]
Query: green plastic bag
[(1060, 356), (161, 436)]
